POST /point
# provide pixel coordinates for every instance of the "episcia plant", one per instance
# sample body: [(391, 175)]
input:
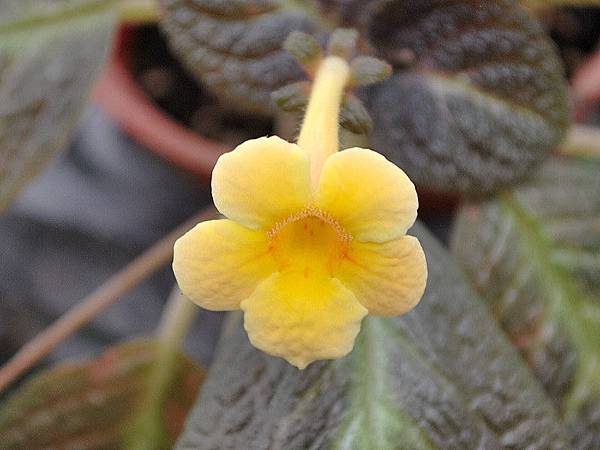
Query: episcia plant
[(493, 346)]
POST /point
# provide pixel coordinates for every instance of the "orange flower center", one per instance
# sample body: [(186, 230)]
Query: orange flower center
[(310, 242)]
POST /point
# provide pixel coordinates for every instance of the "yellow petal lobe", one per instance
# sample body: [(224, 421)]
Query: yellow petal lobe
[(302, 320), (219, 263), (387, 278), (372, 198), (261, 181)]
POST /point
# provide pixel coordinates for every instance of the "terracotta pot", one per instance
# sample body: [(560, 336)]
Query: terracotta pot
[(585, 86), (119, 94)]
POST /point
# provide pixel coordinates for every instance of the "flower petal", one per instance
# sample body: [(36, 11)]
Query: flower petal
[(262, 181), (219, 263), (388, 279), (372, 198), (302, 321)]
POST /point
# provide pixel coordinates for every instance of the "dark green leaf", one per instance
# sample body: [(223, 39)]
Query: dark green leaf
[(235, 46), (441, 377), (534, 255), (50, 53), (93, 405), (478, 96)]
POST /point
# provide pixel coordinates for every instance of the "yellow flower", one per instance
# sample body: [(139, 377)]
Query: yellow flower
[(315, 238)]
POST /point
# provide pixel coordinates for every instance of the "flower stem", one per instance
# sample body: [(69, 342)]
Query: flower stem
[(87, 309), (176, 320), (320, 130), (178, 316)]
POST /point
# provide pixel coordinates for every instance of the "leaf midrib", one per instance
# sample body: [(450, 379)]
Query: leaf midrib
[(568, 303), (365, 394), (67, 14), (448, 83)]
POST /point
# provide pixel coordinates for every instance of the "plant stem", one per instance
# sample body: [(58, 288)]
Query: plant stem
[(582, 141), (176, 320), (87, 309), (139, 11), (178, 316)]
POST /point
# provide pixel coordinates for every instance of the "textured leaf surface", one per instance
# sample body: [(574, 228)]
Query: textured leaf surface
[(235, 46), (441, 377), (534, 255), (476, 100), (91, 405), (50, 53), (478, 96)]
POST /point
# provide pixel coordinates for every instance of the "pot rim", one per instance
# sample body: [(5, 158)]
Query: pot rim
[(118, 93)]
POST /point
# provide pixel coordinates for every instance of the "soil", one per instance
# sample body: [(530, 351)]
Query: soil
[(186, 100), (575, 31)]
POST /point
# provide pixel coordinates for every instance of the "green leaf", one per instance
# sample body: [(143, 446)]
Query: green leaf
[(441, 377), (50, 54), (534, 255), (235, 46), (478, 97), (94, 405)]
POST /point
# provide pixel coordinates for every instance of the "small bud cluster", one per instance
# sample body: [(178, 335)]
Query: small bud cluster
[(365, 70)]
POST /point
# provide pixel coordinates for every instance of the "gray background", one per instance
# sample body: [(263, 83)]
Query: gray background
[(100, 204)]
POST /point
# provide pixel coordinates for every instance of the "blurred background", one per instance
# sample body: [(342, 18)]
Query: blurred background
[(109, 197)]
